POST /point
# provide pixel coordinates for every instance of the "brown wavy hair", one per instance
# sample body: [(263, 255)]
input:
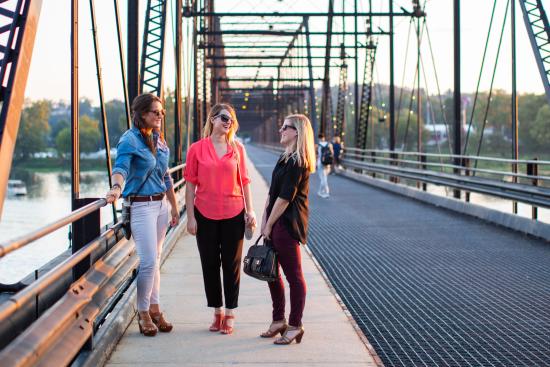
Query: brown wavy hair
[(140, 106)]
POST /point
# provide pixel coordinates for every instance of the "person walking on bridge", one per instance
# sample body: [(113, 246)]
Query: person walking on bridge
[(325, 158), (217, 179), (142, 163), (285, 222)]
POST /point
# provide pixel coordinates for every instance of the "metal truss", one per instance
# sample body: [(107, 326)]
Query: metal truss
[(18, 25), (538, 29), (153, 47), (339, 125), (361, 130)]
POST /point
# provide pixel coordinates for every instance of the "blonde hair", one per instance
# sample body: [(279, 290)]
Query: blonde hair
[(208, 126), (304, 149)]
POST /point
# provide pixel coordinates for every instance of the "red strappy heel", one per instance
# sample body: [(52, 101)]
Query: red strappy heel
[(218, 321), (226, 329)]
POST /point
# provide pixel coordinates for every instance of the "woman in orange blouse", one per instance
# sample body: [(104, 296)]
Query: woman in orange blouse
[(215, 168)]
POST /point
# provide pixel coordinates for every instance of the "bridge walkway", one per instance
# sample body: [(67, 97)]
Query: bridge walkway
[(426, 285), (330, 338)]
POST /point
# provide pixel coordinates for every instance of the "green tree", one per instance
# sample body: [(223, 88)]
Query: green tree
[(57, 128), (33, 129), (529, 106), (540, 132), (63, 142), (90, 136), (116, 120)]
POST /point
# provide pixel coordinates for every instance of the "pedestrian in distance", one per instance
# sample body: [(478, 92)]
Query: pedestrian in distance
[(338, 148), (325, 158), (141, 166), (217, 179), (285, 223)]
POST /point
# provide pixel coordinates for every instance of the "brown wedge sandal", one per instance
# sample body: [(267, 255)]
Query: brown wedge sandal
[(146, 325), (161, 323), (276, 327)]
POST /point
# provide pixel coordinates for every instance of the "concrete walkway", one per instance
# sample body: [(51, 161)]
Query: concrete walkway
[(329, 339)]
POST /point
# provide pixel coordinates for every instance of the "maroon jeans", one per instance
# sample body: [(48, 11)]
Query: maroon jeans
[(290, 260)]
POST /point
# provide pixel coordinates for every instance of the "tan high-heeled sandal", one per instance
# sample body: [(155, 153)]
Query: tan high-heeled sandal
[(161, 323), (285, 339), (146, 325), (275, 328)]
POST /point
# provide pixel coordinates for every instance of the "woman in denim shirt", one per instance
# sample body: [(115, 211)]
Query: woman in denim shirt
[(142, 163)]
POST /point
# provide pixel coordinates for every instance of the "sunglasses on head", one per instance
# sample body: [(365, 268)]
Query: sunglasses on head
[(224, 118), (284, 127)]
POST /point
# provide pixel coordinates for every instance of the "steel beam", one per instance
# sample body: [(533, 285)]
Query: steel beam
[(255, 88), (133, 50), (291, 44), (514, 101), (22, 32), (245, 79), (264, 57), (356, 68), (75, 153), (282, 15), (281, 47), (122, 66), (392, 83), (311, 89), (457, 138), (279, 33), (264, 66), (326, 107), (178, 114), (196, 122)]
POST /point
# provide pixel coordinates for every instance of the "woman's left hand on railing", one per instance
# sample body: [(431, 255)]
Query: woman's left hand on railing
[(113, 194)]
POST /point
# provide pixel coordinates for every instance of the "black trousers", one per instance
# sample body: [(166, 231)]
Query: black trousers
[(220, 243)]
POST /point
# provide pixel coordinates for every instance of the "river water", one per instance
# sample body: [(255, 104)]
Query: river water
[(48, 199)]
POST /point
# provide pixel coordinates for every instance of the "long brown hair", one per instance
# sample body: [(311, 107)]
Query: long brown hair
[(208, 126), (140, 106)]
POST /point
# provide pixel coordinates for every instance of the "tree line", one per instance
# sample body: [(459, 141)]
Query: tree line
[(490, 119), (45, 125)]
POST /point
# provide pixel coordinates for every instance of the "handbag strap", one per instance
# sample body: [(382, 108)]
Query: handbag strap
[(266, 242), (258, 240)]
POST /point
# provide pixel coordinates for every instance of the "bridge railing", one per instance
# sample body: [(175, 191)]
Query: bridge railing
[(53, 320), (483, 175)]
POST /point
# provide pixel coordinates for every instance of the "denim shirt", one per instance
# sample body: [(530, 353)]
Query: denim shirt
[(134, 160)]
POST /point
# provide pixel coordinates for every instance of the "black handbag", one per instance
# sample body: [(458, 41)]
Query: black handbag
[(261, 261)]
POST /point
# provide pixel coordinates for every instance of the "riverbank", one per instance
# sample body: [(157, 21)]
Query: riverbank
[(55, 165)]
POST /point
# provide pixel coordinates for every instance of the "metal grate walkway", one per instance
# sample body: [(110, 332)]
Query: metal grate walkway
[(430, 287)]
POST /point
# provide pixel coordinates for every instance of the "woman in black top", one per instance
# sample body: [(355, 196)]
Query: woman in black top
[(285, 222)]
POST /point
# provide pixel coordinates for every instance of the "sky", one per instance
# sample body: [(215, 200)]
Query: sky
[(49, 76)]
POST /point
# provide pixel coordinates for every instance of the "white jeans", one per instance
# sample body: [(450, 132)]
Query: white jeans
[(149, 221), (323, 173)]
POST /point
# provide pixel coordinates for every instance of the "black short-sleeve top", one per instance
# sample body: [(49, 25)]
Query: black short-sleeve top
[(290, 181)]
